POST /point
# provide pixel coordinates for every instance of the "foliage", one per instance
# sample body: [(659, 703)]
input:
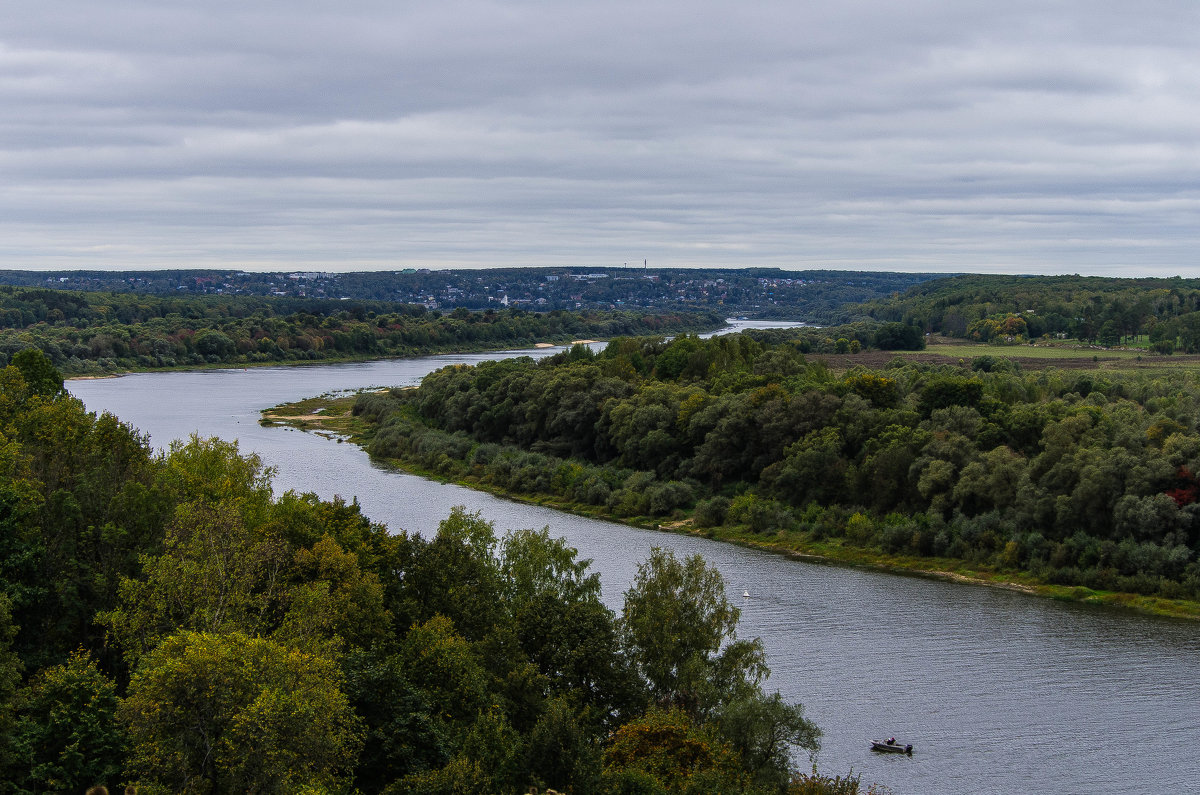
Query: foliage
[(816, 784), (101, 332), (981, 462), (67, 737), (764, 730), (10, 680), (679, 629), (79, 500), (166, 619), (675, 753), (899, 337), (215, 575), (680, 632), (815, 296), (1017, 309), (38, 372), (226, 712)]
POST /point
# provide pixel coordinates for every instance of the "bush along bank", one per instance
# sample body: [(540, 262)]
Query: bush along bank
[(1080, 483)]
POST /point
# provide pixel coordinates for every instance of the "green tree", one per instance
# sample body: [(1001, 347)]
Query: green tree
[(22, 585), (667, 751), (882, 391), (445, 667), (81, 506), (215, 344), (455, 575), (40, 375), (680, 631), (67, 737), (214, 575), (814, 470), (899, 337), (214, 470), (764, 730), (330, 598), (10, 679), (886, 479), (402, 735), (1110, 334), (230, 713), (564, 628), (561, 753), (991, 482)]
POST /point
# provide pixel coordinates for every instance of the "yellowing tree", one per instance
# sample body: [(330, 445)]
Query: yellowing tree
[(230, 713)]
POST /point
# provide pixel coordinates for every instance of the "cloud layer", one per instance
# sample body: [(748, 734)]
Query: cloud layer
[(932, 135)]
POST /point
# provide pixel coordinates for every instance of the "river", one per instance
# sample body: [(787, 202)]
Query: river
[(998, 692)]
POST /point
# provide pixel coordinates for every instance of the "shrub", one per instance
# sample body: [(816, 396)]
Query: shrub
[(666, 497), (860, 529), (711, 512), (591, 489), (631, 498), (760, 514), (484, 454)]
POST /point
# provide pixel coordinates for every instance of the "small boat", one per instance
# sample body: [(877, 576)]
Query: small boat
[(890, 747)]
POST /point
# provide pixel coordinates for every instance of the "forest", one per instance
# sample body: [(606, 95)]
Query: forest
[(91, 333), (168, 623), (1081, 478), (1021, 309)]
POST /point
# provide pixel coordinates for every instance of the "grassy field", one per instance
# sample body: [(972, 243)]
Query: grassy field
[(328, 413), (969, 350), (1063, 355)]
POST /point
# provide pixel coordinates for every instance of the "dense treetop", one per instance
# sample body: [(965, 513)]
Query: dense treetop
[(1081, 478), (1021, 308), (166, 620), (105, 332)]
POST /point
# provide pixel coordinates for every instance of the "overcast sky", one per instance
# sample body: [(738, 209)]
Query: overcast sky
[(930, 135)]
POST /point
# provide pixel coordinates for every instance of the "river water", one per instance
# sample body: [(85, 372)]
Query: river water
[(997, 691)]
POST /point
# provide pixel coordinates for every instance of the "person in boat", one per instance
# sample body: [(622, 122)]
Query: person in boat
[(891, 741)]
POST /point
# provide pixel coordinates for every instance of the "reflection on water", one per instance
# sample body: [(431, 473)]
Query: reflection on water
[(998, 692)]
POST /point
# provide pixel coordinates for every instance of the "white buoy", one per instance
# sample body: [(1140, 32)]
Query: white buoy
[(746, 594)]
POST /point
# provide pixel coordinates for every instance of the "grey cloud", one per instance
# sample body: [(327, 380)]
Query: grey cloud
[(935, 134)]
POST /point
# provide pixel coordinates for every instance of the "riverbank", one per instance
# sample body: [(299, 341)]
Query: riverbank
[(332, 415), (522, 345)]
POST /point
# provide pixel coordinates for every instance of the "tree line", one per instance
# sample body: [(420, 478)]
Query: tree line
[(168, 623), (91, 333), (812, 295), (1097, 310), (1077, 478)]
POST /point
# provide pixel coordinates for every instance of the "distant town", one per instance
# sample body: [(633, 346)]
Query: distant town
[(759, 292)]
